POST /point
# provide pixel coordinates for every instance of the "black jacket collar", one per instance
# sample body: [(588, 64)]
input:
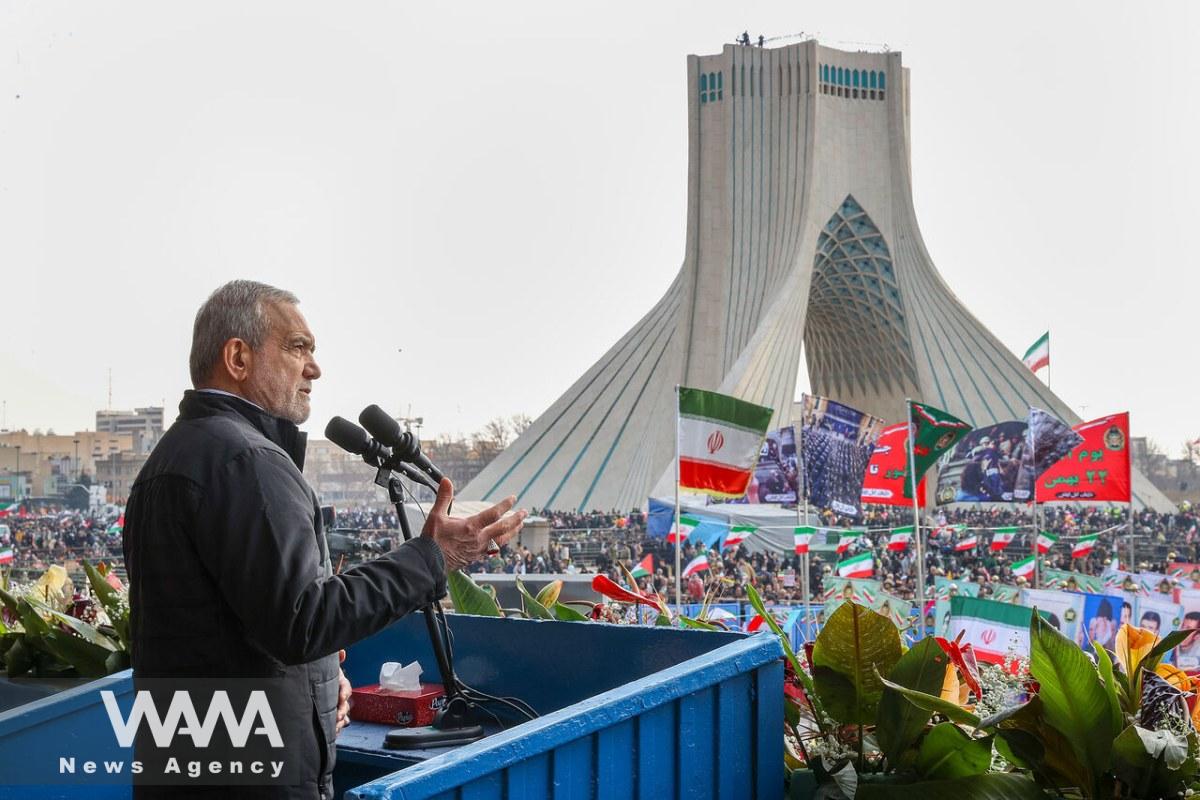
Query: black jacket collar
[(196, 404)]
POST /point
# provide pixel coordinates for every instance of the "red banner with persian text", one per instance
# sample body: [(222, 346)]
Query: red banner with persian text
[(888, 470), (1096, 470)]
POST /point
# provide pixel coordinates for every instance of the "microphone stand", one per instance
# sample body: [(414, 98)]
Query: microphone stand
[(454, 722)]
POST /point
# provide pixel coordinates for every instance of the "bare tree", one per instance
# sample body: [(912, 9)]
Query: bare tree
[(519, 423), (497, 432)]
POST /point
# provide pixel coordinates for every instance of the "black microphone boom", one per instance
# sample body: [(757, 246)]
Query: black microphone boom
[(353, 439), (404, 445)]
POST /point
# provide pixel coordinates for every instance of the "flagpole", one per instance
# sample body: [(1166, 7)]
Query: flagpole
[(912, 479), (1033, 496), (678, 544), (802, 481)]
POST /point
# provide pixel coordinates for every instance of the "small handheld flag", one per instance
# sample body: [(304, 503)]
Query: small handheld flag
[(1023, 568), (644, 568), (900, 539), (1002, 538), (1084, 545), (697, 564), (1045, 541), (968, 543), (803, 535), (860, 566)]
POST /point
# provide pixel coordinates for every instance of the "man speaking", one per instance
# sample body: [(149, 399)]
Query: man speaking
[(228, 566)]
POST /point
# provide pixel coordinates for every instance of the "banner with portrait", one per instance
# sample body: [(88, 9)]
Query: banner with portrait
[(984, 465), (836, 442), (776, 477), (1101, 621)]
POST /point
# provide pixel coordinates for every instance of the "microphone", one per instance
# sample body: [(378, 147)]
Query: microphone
[(405, 446), (353, 439)]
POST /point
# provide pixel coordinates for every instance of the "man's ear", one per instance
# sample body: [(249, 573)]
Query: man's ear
[(237, 359)]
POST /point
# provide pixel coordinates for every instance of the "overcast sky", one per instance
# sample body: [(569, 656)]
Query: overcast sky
[(474, 201)]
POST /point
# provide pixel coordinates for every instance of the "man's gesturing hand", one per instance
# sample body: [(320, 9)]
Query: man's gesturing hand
[(465, 540)]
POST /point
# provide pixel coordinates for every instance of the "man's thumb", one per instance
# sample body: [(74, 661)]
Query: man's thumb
[(445, 497)]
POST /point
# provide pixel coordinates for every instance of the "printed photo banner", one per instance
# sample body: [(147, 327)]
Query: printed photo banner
[(776, 476), (1047, 440), (1097, 469), (1063, 610), (887, 471), (869, 593), (1187, 654), (1069, 581), (836, 442), (983, 466), (1102, 615)]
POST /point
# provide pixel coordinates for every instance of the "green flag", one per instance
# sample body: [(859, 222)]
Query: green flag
[(933, 432)]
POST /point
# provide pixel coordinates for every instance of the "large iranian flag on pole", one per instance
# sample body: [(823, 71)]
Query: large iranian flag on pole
[(860, 566), (992, 628), (1038, 354), (719, 441)]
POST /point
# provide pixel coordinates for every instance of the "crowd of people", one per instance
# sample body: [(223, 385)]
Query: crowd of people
[(599, 541)]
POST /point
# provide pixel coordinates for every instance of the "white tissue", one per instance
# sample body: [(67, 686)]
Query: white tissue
[(396, 678)]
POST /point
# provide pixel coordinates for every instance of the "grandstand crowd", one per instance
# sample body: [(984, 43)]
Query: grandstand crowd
[(598, 541)]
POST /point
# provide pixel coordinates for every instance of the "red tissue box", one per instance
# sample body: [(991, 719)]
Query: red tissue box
[(372, 704)]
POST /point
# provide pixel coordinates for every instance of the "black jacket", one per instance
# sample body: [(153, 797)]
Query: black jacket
[(230, 577)]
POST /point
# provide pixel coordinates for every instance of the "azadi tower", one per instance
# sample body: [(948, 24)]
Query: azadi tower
[(800, 228)]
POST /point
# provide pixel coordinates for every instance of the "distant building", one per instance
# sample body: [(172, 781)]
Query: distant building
[(1177, 478), (144, 424), (117, 471), (51, 460)]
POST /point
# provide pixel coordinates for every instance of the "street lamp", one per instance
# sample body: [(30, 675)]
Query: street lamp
[(77, 461)]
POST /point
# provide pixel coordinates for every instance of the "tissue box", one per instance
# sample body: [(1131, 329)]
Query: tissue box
[(405, 709)]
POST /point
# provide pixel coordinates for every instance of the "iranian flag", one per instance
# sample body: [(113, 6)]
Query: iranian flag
[(1038, 354), (845, 538), (720, 438), (686, 526), (6, 555), (9, 508), (644, 567), (944, 529), (1002, 537), (969, 543), (1084, 545), (1045, 541), (1023, 568), (901, 538), (737, 534), (993, 629), (697, 564), (860, 566), (803, 535)]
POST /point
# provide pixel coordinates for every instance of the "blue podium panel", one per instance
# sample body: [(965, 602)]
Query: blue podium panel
[(625, 711)]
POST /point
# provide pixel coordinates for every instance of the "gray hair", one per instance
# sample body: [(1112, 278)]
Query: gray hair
[(234, 311)]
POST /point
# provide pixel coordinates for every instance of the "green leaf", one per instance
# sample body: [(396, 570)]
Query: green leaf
[(533, 608), (568, 614), (989, 786), (469, 597), (1151, 759), (853, 649), (1025, 734), (786, 641), (105, 593), (116, 662), (79, 627), (1104, 664), (1074, 700), (697, 624), (931, 702), (87, 659), (18, 659), (949, 752), (898, 722), (1164, 645)]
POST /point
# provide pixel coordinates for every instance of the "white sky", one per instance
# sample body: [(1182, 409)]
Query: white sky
[(499, 188)]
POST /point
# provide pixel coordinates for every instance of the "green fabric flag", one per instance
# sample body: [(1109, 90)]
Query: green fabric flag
[(933, 432)]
